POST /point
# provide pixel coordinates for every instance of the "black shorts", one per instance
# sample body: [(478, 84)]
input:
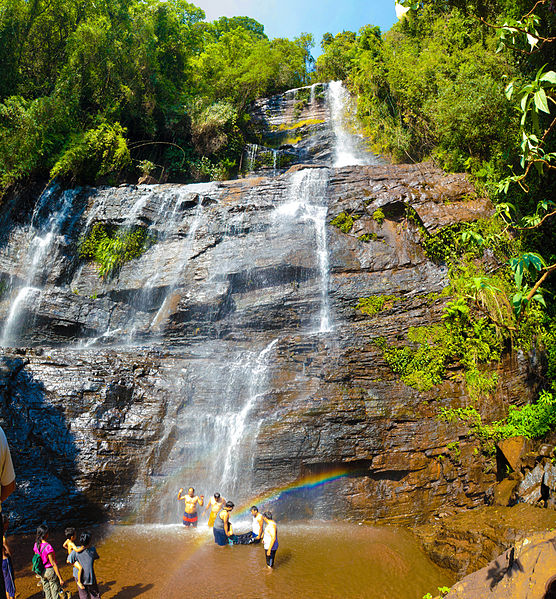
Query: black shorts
[(270, 558)]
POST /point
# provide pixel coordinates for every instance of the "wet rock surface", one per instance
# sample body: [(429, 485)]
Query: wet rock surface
[(526, 570), (468, 541), (91, 423)]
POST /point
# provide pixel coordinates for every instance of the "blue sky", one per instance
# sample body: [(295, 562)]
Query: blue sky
[(289, 18)]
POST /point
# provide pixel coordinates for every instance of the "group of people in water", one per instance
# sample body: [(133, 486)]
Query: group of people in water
[(263, 528), (83, 555)]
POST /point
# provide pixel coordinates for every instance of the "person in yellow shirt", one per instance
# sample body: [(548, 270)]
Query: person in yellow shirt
[(69, 545), (216, 503)]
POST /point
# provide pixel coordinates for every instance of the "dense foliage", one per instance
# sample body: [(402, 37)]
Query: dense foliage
[(96, 90)]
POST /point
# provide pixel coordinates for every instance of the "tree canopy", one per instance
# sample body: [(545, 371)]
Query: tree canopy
[(134, 82)]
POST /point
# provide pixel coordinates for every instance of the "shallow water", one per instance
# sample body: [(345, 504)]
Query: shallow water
[(315, 560)]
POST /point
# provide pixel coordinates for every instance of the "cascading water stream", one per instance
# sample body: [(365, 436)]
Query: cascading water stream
[(173, 280), (39, 255), (348, 148), (237, 422), (307, 202)]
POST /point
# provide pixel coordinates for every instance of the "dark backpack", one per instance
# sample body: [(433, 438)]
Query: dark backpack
[(37, 566)]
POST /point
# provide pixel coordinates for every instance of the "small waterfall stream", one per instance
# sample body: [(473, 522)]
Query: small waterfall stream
[(307, 202), (348, 148), (39, 256)]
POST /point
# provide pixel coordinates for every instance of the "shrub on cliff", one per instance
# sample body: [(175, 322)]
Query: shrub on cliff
[(110, 247), (93, 154)]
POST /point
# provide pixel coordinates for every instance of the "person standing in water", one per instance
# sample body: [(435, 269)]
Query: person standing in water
[(216, 503), (85, 557), (258, 522), (221, 528), (191, 501), (270, 539), (52, 581)]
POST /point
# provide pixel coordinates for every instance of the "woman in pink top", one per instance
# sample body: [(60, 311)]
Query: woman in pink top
[(52, 581)]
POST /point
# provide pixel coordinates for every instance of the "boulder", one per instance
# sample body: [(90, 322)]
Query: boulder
[(504, 492), (513, 449), (469, 540), (524, 571), (530, 488), (550, 477)]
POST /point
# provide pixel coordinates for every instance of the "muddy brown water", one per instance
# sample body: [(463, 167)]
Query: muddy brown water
[(315, 560)]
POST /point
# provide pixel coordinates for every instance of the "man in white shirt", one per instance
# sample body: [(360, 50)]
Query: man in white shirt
[(7, 486)]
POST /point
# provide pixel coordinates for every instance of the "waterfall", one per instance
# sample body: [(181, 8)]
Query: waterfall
[(312, 96), (173, 279), (238, 421), (348, 148), (40, 255), (237, 271), (163, 264), (307, 202), (252, 151)]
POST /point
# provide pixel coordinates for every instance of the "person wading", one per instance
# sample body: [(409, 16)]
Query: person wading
[(52, 581), (216, 503), (221, 528), (256, 530), (270, 539), (191, 500)]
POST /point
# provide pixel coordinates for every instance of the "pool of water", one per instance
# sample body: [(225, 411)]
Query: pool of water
[(315, 560)]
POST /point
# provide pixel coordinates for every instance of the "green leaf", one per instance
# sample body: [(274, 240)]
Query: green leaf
[(539, 298), (534, 260), (541, 101), (549, 77), (517, 266), (518, 302), (509, 90)]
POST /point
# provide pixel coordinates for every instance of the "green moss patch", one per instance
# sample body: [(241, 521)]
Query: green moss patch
[(344, 221), (375, 303)]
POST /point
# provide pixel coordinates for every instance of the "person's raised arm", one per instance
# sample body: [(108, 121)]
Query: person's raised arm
[(201, 500), (179, 495)]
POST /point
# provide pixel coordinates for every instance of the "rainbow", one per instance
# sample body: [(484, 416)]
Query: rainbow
[(310, 481)]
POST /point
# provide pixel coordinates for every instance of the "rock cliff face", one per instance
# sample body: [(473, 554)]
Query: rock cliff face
[(230, 355)]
